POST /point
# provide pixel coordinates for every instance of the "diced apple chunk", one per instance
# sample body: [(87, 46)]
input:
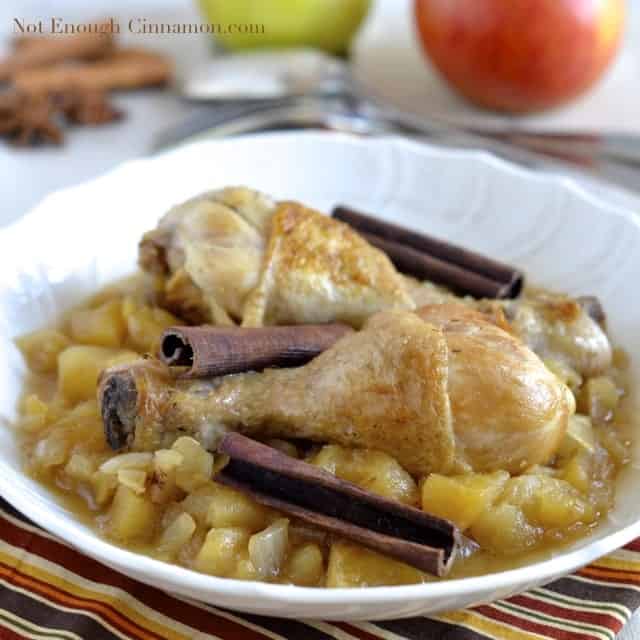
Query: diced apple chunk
[(245, 569), (615, 444), (41, 349), (166, 460), (80, 468), (104, 487), (196, 467), (578, 472), (599, 398), (548, 502), (198, 502), (462, 499), (221, 550), (79, 367), (103, 326), (230, 508), (578, 437), (354, 566), (34, 414), (51, 451), (375, 471), (305, 566), (504, 529), (559, 509), (134, 479), (131, 517), (177, 534), (145, 325)]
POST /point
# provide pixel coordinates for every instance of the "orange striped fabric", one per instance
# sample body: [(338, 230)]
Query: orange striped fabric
[(50, 591)]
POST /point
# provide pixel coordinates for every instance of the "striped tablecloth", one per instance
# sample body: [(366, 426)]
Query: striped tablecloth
[(50, 591)]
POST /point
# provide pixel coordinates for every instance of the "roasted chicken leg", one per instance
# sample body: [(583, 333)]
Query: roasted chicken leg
[(554, 326), (237, 256), (440, 390)]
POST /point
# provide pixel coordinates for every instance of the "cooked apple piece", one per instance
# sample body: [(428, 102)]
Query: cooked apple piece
[(462, 499), (140, 460), (305, 566), (104, 487), (599, 398), (559, 506), (504, 529), (616, 445), (41, 348), (81, 426), (134, 479), (245, 569), (199, 501), (230, 508), (196, 466), (177, 534), (34, 414), (80, 365), (548, 502), (163, 487), (221, 550), (579, 437), (80, 468), (354, 566), (166, 460), (145, 325), (578, 472), (51, 451), (131, 517), (375, 471), (103, 326)]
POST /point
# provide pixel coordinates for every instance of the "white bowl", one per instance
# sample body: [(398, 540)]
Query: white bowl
[(81, 238)]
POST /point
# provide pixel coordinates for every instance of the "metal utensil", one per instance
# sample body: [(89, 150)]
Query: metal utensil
[(352, 115), (308, 89)]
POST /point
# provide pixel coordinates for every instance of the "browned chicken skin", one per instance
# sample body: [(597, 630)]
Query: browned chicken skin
[(509, 411), (554, 326), (439, 391), (561, 328), (235, 255)]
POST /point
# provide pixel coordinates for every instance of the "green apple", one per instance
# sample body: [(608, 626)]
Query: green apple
[(322, 24)]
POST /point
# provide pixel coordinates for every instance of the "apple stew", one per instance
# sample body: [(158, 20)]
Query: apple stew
[(326, 401)]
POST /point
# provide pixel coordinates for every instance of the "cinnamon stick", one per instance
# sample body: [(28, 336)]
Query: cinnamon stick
[(339, 507), (465, 271), (425, 267), (216, 351), (124, 69), (33, 52)]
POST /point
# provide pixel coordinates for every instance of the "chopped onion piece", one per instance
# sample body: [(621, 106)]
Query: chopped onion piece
[(127, 461), (134, 479), (165, 460), (267, 549)]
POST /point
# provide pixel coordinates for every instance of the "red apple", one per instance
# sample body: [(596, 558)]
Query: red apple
[(520, 55)]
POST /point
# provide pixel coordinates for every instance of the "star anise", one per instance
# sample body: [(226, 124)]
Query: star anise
[(29, 119), (89, 107)]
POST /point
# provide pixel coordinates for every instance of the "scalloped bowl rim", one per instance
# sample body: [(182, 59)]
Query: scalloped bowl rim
[(182, 579)]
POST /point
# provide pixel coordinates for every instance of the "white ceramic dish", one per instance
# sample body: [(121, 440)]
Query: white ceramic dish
[(82, 238)]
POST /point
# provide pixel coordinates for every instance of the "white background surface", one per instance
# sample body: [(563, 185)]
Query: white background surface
[(386, 57)]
